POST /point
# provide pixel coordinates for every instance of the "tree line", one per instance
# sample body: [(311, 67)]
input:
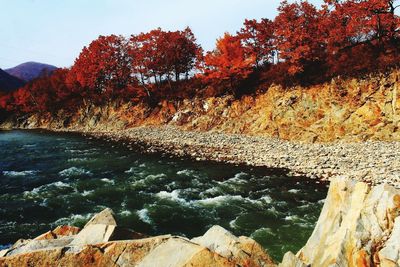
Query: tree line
[(302, 45)]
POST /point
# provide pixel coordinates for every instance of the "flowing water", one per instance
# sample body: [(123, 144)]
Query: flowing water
[(49, 179)]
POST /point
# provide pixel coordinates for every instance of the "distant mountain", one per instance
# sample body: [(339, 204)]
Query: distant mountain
[(30, 70), (8, 82)]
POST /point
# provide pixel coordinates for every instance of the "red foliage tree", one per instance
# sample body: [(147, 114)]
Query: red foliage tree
[(158, 55), (365, 36), (299, 38), (258, 40), (102, 69), (228, 62)]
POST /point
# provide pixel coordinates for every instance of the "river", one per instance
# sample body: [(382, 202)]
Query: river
[(49, 179)]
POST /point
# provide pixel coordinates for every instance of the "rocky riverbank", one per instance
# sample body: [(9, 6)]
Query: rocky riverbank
[(373, 162), (345, 127), (359, 226)]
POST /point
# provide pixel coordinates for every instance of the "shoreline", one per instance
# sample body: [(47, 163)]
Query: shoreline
[(372, 162)]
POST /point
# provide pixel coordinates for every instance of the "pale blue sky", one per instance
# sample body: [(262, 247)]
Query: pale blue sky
[(54, 31)]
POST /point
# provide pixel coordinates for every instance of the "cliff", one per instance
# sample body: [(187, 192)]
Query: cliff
[(343, 109), (358, 226)]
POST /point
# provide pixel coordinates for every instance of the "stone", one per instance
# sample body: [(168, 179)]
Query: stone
[(3, 252), (64, 230), (178, 252), (389, 255), (99, 229), (106, 217), (290, 260), (242, 250), (93, 234), (148, 252), (358, 226), (34, 245)]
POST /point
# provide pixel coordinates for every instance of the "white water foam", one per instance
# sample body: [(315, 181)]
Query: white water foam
[(232, 224), (72, 219), (291, 218), (125, 213), (131, 170), (29, 145), (37, 190), (186, 172), (87, 192), (219, 200), (266, 198), (59, 184), (144, 215), (262, 231), (174, 195), (19, 173), (108, 181), (294, 191), (74, 171), (78, 159)]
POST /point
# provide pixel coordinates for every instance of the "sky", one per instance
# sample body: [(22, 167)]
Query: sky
[(55, 31)]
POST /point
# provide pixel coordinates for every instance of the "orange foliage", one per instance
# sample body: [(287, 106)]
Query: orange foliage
[(228, 62)]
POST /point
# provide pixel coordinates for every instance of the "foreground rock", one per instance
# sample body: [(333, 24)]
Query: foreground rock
[(358, 226), (96, 245)]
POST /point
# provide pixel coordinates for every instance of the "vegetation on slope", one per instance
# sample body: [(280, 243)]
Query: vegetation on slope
[(303, 45)]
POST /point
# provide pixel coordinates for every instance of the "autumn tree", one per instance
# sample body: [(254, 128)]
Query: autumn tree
[(258, 40), (299, 38), (365, 36), (228, 63), (102, 69), (159, 55)]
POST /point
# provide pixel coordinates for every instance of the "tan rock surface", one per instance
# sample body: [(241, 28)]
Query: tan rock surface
[(92, 246), (358, 226)]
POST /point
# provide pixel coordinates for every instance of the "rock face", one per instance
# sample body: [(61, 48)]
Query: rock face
[(96, 245), (358, 226), (343, 109)]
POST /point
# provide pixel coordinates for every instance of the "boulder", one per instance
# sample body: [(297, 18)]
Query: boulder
[(93, 234), (290, 260), (179, 252), (98, 229), (389, 255), (242, 250), (34, 245), (358, 226), (60, 231), (106, 217)]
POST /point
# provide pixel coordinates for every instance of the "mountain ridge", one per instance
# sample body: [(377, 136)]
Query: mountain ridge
[(9, 82), (30, 70)]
